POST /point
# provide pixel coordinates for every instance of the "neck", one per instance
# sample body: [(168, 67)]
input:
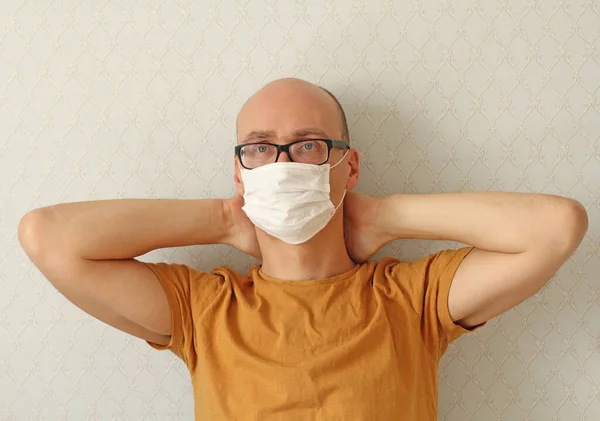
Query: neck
[(323, 256)]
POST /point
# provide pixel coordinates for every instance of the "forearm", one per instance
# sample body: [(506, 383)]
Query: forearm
[(494, 221), (124, 228)]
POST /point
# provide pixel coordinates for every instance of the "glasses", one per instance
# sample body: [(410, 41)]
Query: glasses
[(309, 151)]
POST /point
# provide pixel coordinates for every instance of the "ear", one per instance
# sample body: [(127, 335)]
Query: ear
[(237, 177), (354, 163)]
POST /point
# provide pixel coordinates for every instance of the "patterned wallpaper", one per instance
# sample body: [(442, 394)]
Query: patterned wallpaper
[(104, 99)]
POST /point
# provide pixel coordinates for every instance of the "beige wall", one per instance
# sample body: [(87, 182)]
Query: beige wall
[(138, 99)]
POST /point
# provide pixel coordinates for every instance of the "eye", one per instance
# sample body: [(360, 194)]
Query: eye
[(262, 148), (308, 146)]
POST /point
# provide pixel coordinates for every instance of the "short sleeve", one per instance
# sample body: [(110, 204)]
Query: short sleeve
[(188, 292), (426, 282)]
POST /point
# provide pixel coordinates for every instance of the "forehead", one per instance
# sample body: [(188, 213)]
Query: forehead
[(284, 112)]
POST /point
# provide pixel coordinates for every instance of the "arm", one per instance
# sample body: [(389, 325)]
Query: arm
[(87, 250), (520, 241)]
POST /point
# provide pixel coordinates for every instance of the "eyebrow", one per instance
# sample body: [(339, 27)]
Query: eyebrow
[(258, 135)]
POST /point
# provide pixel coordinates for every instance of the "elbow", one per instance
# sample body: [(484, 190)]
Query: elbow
[(570, 226), (41, 237), (31, 233)]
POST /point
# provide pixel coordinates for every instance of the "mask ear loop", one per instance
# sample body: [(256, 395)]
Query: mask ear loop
[(338, 163), (344, 195), (341, 201)]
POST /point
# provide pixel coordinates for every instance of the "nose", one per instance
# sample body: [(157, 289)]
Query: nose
[(284, 157)]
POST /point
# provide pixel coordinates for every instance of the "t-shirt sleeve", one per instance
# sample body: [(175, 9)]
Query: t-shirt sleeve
[(188, 292), (426, 284)]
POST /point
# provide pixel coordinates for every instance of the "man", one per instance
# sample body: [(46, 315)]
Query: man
[(316, 332)]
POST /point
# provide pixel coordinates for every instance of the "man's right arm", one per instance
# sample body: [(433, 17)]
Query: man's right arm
[(87, 250)]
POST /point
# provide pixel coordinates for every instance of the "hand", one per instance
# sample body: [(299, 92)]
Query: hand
[(363, 232), (242, 233)]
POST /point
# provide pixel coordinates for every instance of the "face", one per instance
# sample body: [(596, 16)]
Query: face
[(291, 109)]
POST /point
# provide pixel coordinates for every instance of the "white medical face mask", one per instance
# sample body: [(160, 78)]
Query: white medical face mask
[(289, 200)]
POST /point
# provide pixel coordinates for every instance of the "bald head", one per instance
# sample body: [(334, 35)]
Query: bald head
[(288, 105), (343, 121)]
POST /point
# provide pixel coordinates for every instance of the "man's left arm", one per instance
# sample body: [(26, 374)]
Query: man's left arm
[(520, 240)]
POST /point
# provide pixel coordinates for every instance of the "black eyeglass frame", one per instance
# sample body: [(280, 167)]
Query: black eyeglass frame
[(338, 144)]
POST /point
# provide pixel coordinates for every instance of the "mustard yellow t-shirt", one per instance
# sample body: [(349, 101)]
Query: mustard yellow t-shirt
[(363, 345)]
